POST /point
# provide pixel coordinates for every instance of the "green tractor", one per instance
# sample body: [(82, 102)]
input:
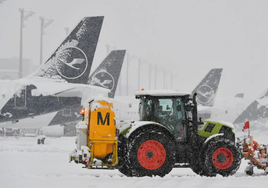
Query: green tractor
[(169, 135)]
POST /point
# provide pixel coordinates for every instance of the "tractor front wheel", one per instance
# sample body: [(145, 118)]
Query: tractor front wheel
[(221, 157)]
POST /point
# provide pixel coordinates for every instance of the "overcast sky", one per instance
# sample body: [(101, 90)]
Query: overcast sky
[(186, 37)]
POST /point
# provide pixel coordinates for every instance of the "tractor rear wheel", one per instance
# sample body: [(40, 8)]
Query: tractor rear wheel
[(221, 157), (151, 153)]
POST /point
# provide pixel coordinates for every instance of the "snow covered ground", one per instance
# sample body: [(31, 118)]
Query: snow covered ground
[(24, 164)]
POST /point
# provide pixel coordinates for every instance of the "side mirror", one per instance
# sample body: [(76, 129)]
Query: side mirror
[(200, 121)]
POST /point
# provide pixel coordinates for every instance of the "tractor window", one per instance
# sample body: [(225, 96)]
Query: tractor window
[(145, 109), (163, 108), (179, 109), (170, 112), (179, 127)]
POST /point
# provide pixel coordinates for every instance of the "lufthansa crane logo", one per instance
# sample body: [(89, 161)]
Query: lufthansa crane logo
[(205, 95), (103, 79), (71, 62)]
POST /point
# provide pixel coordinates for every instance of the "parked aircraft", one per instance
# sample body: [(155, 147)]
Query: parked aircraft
[(60, 82)]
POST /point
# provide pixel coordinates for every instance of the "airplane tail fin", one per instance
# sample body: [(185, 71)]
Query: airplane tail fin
[(251, 113), (106, 75), (108, 72), (73, 59), (207, 89), (257, 110)]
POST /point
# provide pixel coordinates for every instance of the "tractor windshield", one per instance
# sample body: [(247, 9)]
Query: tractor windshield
[(166, 111), (170, 112)]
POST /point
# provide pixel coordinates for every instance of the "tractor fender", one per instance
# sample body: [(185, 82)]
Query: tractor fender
[(213, 136), (139, 124)]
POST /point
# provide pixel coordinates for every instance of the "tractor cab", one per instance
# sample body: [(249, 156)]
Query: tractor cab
[(169, 108)]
